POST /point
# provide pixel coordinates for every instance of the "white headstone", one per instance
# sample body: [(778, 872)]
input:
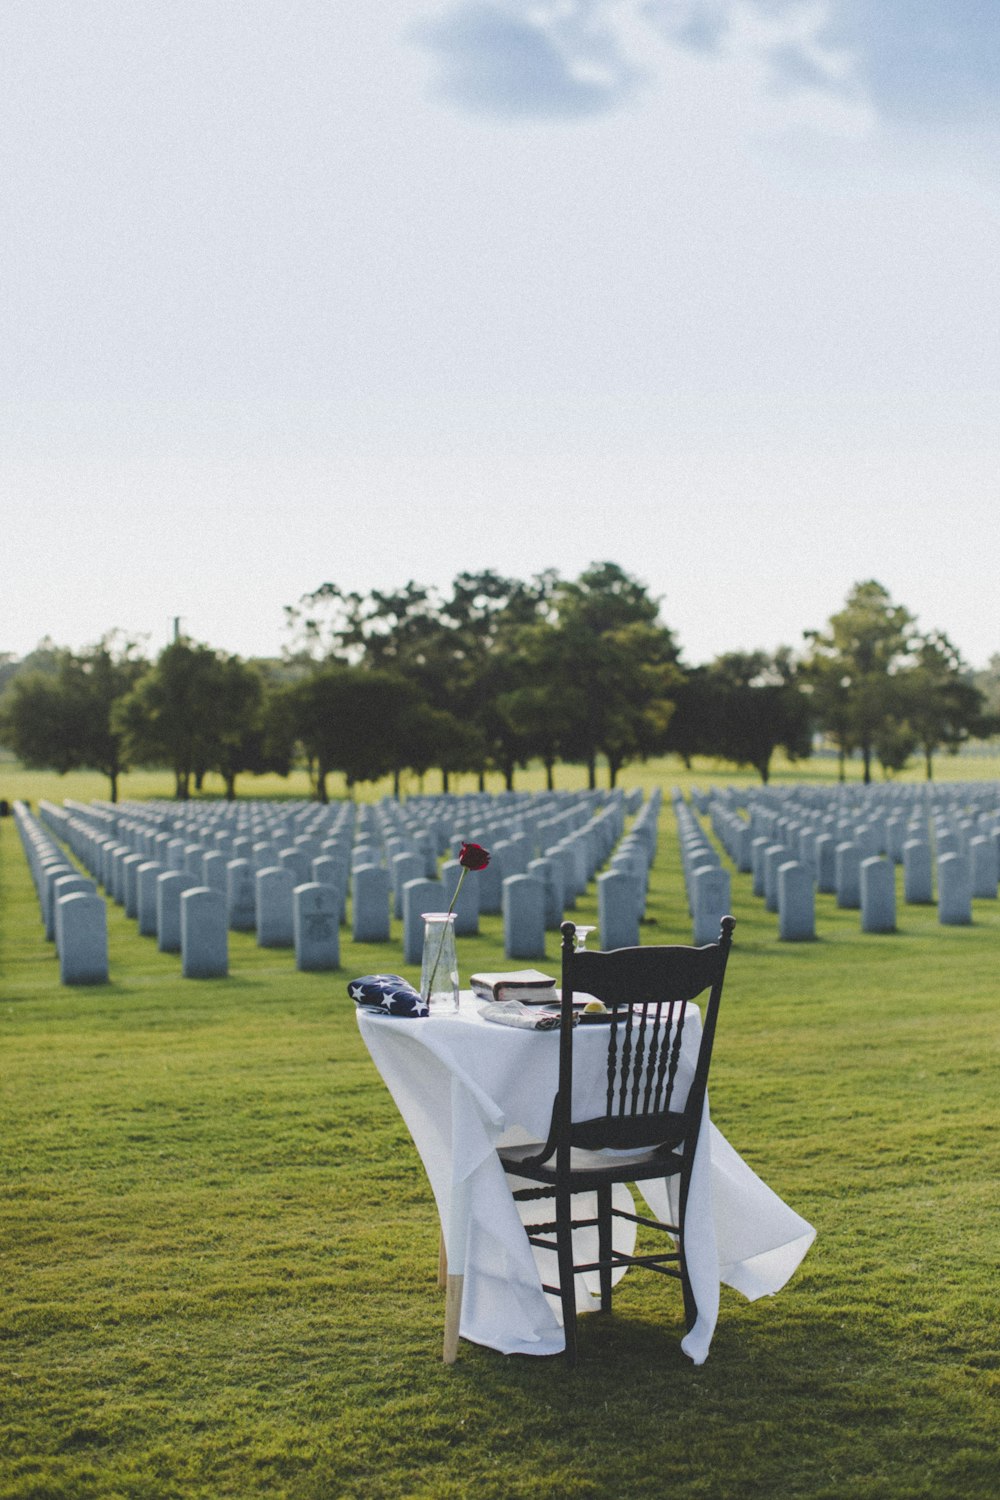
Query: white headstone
[(918, 882), (848, 875), (983, 867), (146, 878), (546, 871), (204, 934), (83, 951), (68, 885), (213, 869), (619, 907), (274, 888), (954, 891), (403, 868), (796, 903), (775, 855), (241, 895), (878, 895), (169, 888), (316, 925), (523, 899), (419, 896), (130, 883), (711, 900), (825, 856), (467, 906), (299, 861), (370, 904)]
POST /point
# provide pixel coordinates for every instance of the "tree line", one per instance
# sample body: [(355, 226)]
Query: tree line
[(490, 676)]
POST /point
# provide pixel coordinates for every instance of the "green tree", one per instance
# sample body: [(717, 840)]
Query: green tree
[(484, 617), (605, 598), (325, 625), (8, 669), (987, 680), (433, 737), (625, 661), (353, 720), (39, 723), (545, 701), (693, 727), (475, 655), (248, 737), (44, 659), (756, 706), (942, 704), (392, 630), (448, 649), (895, 742), (172, 715), (62, 716), (852, 666), (829, 692), (108, 672)]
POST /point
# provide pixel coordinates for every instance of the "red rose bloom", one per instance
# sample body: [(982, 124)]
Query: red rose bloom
[(473, 857)]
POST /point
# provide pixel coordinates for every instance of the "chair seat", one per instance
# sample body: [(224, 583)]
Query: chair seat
[(591, 1169)]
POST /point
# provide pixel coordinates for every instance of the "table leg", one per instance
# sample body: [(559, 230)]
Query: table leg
[(452, 1317), (442, 1261), (454, 1265)]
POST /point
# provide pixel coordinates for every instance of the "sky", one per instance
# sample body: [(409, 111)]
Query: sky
[(295, 292)]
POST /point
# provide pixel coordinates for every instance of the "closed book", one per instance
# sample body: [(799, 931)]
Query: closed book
[(529, 986)]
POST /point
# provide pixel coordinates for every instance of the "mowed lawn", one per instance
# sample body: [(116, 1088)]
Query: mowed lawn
[(219, 1250)]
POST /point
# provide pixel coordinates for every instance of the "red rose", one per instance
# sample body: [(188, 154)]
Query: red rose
[(473, 857)]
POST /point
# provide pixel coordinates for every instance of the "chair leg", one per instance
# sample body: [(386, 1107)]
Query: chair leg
[(690, 1305), (567, 1281), (604, 1244), (442, 1261), (452, 1317)]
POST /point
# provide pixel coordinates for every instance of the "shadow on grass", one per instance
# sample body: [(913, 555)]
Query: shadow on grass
[(625, 1351), (812, 1406)]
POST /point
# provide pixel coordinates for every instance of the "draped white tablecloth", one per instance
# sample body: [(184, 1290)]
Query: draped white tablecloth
[(465, 1086)]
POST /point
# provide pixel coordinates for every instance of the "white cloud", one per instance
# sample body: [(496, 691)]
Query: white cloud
[(915, 62), (516, 58)]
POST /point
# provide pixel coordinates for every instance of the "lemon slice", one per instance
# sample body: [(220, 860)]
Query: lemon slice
[(595, 1008)]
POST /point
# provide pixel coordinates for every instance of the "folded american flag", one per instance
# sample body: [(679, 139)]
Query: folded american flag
[(388, 993)]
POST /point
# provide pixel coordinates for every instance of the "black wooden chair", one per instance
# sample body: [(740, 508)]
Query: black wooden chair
[(644, 990)]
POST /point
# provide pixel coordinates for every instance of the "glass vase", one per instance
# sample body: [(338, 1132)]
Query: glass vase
[(439, 966)]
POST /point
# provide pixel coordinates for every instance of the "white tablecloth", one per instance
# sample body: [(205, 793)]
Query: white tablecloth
[(465, 1086)]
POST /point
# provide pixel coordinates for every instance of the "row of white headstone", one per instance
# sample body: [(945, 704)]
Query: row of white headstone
[(706, 883), (74, 916), (847, 841), (284, 870)]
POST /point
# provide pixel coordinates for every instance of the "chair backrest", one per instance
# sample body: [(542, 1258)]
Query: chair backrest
[(645, 989)]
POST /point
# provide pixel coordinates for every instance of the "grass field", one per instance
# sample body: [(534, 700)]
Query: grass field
[(87, 786), (219, 1249)]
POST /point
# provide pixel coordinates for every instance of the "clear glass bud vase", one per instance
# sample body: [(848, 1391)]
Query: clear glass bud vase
[(439, 967)]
